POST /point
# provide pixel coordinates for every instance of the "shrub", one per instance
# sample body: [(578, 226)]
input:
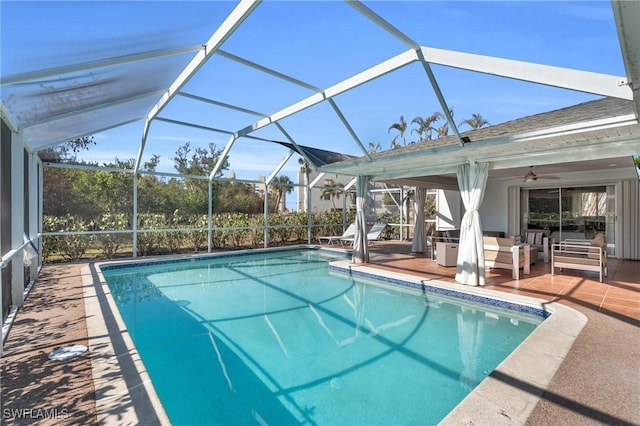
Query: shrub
[(111, 243), (73, 246), (149, 242), (198, 238), (175, 239)]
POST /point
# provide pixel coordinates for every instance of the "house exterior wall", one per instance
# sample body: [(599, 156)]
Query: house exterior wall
[(317, 202), (450, 209), (495, 209)]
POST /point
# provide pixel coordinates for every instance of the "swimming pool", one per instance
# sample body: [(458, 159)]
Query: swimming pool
[(277, 338)]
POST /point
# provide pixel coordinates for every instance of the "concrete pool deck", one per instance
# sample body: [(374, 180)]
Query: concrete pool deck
[(597, 381)]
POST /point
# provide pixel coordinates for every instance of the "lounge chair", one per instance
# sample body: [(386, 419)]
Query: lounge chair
[(348, 233), (374, 234)]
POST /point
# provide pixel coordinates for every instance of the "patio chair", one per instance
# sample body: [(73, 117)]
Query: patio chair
[(331, 239), (374, 234)]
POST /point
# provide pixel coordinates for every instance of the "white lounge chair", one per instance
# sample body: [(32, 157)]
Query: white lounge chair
[(374, 234), (348, 233)]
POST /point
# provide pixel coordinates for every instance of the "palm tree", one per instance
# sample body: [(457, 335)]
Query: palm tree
[(425, 125), (408, 197), (401, 127), (374, 147), (284, 186), (443, 130), (331, 191), (306, 169), (475, 122)]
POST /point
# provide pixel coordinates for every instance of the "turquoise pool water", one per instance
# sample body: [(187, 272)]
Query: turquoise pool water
[(276, 338)]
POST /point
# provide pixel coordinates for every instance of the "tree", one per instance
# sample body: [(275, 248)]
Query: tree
[(409, 196), (106, 191), (66, 152), (401, 127), (305, 168), (475, 122), (238, 197), (283, 185), (59, 196), (374, 147), (331, 191), (443, 130), (425, 125), (198, 162)]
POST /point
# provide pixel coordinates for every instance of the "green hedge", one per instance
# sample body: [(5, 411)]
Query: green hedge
[(230, 231)]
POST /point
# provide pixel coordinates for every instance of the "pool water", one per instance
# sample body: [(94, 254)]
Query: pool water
[(275, 338)]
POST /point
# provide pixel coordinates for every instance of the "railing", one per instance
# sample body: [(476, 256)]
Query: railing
[(6, 259), (273, 239), (11, 253)]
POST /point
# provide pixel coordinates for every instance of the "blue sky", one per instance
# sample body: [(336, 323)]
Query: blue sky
[(320, 43)]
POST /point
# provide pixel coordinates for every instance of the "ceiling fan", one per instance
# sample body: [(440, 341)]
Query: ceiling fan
[(532, 177)]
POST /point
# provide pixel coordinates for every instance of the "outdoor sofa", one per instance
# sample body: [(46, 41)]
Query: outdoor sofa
[(507, 254), (584, 255)]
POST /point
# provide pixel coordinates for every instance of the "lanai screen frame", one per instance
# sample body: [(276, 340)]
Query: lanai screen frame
[(626, 16)]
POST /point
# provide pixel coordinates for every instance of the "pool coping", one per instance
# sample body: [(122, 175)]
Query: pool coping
[(124, 393), (507, 396)]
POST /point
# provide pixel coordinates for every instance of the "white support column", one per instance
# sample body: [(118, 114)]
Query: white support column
[(17, 217), (344, 211), (2, 110), (134, 217), (309, 220), (34, 212), (266, 214), (143, 142), (1, 336), (40, 208), (210, 218), (401, 213), (345, 190)]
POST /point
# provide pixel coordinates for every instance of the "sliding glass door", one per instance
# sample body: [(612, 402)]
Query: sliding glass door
[(571, 212)]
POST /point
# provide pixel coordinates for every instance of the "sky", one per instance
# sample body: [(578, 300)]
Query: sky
[(319, 43)]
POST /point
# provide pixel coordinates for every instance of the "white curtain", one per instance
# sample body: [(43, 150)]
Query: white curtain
[(360, 248), (472, 181), (628, 220), (514, 215), (419, 243)]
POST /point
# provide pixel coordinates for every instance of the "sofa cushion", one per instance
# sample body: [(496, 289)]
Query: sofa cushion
[(534, 238), (599, 240)]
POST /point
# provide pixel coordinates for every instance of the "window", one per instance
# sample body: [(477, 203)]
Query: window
[(577, 212)]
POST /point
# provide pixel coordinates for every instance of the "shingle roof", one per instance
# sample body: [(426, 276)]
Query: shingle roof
[(587, 111)]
